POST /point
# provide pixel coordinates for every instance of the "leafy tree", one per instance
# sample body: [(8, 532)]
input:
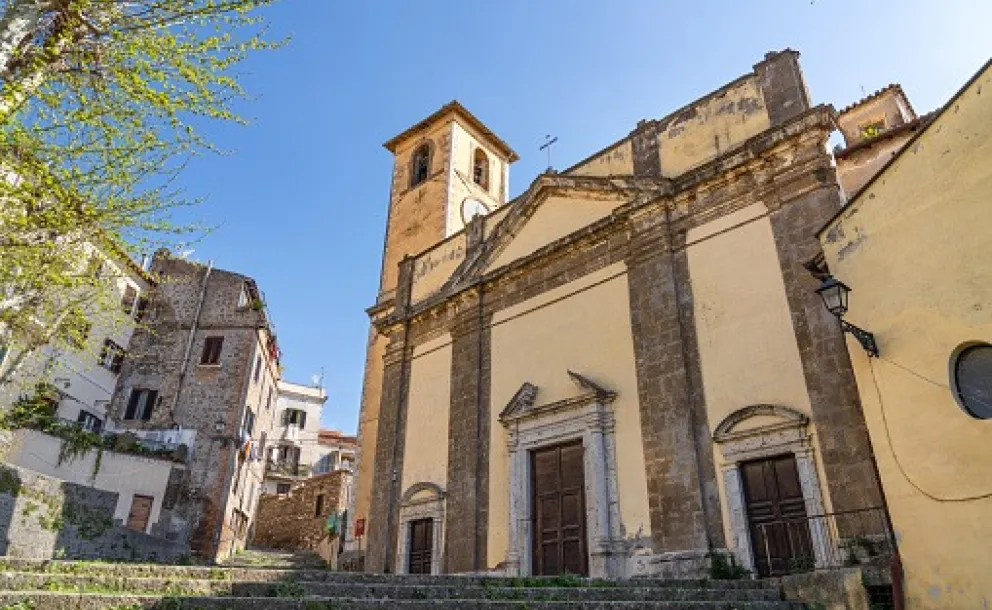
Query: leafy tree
[(102, 103)]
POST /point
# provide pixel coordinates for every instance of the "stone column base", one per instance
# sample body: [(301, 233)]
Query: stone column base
[(673, 565)]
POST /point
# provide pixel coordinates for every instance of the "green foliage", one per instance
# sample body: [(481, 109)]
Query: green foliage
[(801, 564), (37, 412), (288, 588), (102, 104), (724, 567)]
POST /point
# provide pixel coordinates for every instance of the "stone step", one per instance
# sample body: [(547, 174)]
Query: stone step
[(70, 601), (176, 572), (25, 581)]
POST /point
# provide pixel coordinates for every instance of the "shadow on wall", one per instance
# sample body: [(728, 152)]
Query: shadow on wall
[(10, 488), (44, 518)]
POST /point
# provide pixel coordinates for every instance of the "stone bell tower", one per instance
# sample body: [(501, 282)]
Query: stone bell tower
[(446, 169)]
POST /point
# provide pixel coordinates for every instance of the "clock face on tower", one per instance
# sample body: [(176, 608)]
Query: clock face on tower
[(471, 208)]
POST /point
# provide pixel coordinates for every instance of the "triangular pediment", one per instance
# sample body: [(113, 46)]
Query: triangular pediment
[(553, 208)]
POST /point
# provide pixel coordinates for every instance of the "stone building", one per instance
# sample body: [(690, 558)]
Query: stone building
[(625, 367), (293, 449), (874, 130), (203, 374), (913, 246), (306, 518)]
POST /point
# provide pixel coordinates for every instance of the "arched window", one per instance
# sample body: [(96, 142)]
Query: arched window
[(420, 165), (480, 168)]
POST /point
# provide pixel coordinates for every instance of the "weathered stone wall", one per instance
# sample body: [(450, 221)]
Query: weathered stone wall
[(291, 521), (201, 397), (44, 518)]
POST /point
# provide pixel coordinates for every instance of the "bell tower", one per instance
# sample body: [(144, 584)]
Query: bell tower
[(446, 169)]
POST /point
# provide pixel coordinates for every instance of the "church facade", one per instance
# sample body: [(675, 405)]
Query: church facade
[(625, 368)]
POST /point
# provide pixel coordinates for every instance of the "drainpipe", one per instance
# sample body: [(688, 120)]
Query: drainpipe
[(189, 341)]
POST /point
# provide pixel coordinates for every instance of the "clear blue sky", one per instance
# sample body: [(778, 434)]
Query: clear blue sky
[(300, 204)]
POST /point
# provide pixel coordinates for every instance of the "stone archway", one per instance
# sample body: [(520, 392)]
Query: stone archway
[(762, 431), (421, 500)]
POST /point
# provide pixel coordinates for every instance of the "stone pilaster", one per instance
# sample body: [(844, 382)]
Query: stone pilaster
[(390, 441), (782, 85), (798, 210), (468, 443), (675, 479), (645, 150)]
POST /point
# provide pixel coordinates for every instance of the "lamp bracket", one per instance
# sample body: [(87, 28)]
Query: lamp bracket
[(865, 338)]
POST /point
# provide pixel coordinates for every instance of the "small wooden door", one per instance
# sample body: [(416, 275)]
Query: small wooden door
[(141, 511), (776, 513), (559, 510), (421, 546)]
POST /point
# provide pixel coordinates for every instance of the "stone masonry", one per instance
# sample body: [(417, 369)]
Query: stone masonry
[(298, 521), (215, 502), (46, 518)]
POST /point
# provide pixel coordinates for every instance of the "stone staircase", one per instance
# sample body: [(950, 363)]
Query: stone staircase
[(65, 585)]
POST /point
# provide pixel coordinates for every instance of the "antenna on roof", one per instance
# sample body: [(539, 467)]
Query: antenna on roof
[(318, 378), (548, 141)]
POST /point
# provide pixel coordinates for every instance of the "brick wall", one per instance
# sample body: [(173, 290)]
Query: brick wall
[(44, 518), (292, 521)]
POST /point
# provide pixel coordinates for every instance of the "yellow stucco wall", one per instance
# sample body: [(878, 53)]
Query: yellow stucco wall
[(432, 269), (464, 142), (618, 160), (747, 346), (425, 455), (556, 217), (915, 248), (856, 169), (587, 331), (712, 126)]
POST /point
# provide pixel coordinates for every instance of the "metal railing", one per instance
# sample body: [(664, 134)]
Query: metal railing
[(834, 540), (287, 469)]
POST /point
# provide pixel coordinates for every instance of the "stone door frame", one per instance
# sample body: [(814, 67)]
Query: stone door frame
[(413, 508), (787, 434), (589, 418)]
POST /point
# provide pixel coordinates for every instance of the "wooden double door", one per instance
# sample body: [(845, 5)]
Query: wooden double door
[(421, 553), (776, 510), (559, 510)]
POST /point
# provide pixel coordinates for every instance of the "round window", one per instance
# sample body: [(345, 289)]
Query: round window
[(971, 376)]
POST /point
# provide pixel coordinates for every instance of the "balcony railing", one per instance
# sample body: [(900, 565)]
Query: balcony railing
[(286, 469), (834, 540)]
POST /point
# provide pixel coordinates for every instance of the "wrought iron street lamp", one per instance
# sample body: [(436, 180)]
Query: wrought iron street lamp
[(834, 294)]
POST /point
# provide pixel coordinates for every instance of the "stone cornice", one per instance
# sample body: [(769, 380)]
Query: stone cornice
[(775, 166)]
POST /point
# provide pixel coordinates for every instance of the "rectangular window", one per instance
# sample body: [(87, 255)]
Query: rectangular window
[(211, 350), (140, 308), (128, 300), (140, 404), (282, 488), (258, 367), (243, 298), (319, 508), (89, 422), (249, 426), (294, 417), (111, 356), (268, 401)]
